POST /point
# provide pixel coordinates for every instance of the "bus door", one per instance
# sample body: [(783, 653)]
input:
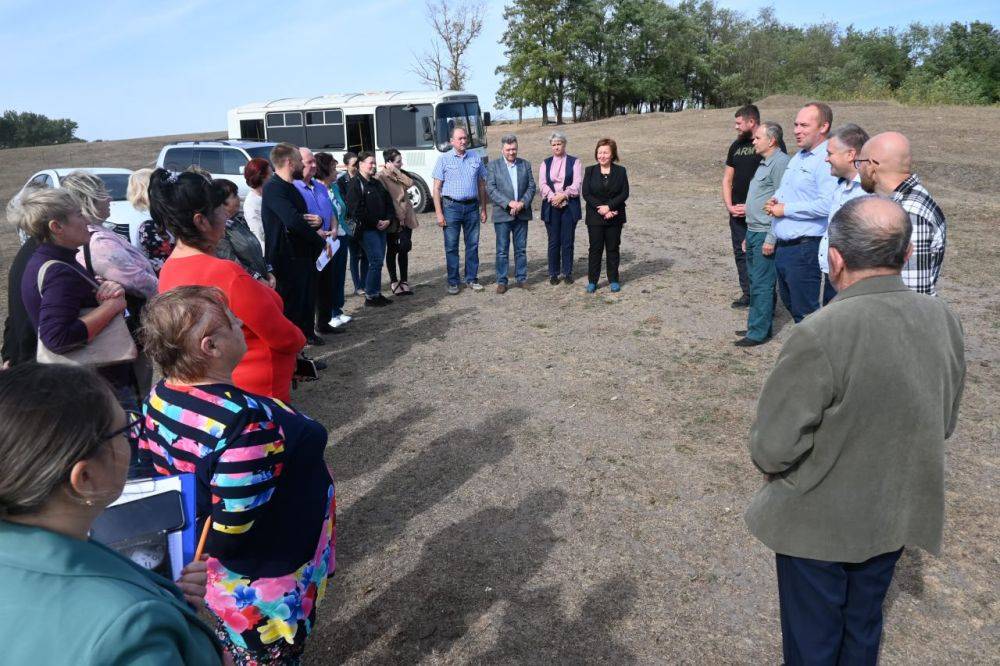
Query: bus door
[(360, 133)]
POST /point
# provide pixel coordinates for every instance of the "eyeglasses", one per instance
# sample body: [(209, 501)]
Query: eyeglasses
[(132, 429), (859, 162)]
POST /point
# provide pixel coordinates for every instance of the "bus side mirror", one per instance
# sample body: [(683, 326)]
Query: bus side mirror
[(486, 119)]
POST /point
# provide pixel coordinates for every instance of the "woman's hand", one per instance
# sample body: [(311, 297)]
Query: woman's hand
[(382, 225), (272, 281), (603, 210), (193, 583), (109, 290)]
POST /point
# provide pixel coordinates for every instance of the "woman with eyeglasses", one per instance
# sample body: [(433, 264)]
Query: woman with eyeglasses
[(66, 599), (261, 478)]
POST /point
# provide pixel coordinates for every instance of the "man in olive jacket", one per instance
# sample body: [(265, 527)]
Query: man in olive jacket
[(850, 434)]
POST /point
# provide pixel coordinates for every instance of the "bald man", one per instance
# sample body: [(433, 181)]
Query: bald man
[(885, 168), (850, 434), (318, 216)]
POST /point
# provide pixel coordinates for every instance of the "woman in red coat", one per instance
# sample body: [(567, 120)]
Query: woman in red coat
[(192, 209)]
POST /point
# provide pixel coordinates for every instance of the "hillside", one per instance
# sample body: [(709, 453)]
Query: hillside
[(547, 476)]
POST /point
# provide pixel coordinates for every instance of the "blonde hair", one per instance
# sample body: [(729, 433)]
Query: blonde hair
[(36, 207), (138, 189), (86, 189), (174, 323)]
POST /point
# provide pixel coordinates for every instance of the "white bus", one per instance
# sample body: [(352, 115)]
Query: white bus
[(415, 123)]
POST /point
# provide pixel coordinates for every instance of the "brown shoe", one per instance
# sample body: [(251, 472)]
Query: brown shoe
[(501, 289), (523, 285)]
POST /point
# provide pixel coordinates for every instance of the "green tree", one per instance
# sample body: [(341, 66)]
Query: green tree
[(34, 129)]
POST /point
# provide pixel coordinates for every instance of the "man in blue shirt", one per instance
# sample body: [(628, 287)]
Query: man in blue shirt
[(801, 209), (843, 147), (460, 200)]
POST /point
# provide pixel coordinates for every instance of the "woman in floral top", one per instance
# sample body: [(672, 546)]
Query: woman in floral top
[(154, 240), (260, 474)]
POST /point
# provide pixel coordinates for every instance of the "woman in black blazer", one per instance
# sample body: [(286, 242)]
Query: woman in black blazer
[(605, 189)]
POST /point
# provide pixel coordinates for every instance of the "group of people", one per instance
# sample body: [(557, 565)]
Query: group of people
[(780, 208), (465, 191), (849, 431), (852, 421)]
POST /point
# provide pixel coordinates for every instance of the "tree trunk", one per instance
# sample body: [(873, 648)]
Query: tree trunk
[(520, 115), (545, 112), (573, 107), (560, 98)]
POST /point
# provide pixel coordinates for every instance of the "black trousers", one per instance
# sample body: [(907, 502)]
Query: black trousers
[(831, 612), (738, 231), (393, 255), (297, 288), (604, 239)]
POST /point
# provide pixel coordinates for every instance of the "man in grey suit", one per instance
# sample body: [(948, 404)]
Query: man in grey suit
[(850, 434), (511, 187)]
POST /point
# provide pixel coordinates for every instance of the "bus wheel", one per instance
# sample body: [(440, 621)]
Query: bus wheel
[(420, 196)]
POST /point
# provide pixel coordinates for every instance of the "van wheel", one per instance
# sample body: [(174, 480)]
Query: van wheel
[(420, 195)]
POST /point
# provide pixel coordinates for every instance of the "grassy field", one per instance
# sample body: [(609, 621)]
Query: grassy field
[(550, 476)]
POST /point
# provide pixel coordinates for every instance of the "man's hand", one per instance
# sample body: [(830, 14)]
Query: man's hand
[(482, 214), (743, 245), (441, 221), (382, 224), (767, 249), (738, 210), (272, 281), (193, 582), (603, 210), (313, 221), (774, 208)]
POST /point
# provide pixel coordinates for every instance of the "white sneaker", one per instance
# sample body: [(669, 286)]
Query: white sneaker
[(336, 322), (345, 318), (475, 286)]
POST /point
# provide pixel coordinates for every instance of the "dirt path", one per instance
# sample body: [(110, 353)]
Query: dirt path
[(549, 476)]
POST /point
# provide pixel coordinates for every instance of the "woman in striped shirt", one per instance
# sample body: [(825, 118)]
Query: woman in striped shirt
[(260, 473)]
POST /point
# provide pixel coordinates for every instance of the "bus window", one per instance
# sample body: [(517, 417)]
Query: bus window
[(360, 133), (286, 126), (252, 129), (459, 114), (325, 129), (407, 126)]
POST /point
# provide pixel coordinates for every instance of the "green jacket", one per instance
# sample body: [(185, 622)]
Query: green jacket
[(852, 422), (65, 601)]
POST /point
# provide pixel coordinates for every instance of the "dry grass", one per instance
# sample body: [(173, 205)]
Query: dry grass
[(552, 476)]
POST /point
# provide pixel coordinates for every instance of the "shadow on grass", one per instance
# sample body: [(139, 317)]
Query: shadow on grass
[(465, 569)]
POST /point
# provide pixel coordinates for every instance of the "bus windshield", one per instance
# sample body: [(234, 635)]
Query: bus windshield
[(459, 114)]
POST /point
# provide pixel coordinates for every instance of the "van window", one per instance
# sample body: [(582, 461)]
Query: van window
[(178, 159), (233, 162), (209, 159)]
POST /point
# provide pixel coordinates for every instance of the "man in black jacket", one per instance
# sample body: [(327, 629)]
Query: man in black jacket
[(291, 240)]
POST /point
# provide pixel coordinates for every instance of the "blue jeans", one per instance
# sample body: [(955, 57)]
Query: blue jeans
[(760, 270), (357, 262), (519, 228), (831, 612), (464, 219), (373, 243), (799, 277), (562, 234)]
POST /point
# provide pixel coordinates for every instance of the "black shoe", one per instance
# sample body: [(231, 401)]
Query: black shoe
[(568, 279), (385, 301), (554, 279), (741, 302), (377, 302), (315, 341), (747, 342), (326, 329), (320, 365), (741, 333)]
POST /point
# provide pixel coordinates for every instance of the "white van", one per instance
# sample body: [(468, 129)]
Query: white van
[(415, 123)]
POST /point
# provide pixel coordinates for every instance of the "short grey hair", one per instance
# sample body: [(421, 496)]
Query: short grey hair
[(851, 136), (774, 131), (871, 232), (558, 136), (508, 139)]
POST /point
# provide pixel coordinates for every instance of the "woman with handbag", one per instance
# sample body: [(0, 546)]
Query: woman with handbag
[(333, 277), (261, 478), (399, 235), (193, 209), (370, 204), (78, 321)]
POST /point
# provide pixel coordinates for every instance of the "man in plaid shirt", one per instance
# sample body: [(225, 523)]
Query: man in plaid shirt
[(885, 168)]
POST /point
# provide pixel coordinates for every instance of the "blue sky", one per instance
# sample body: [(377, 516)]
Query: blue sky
[(124, 68)]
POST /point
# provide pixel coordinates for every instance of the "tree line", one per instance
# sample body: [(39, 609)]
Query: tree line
[(34, 129), (599, 58)]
